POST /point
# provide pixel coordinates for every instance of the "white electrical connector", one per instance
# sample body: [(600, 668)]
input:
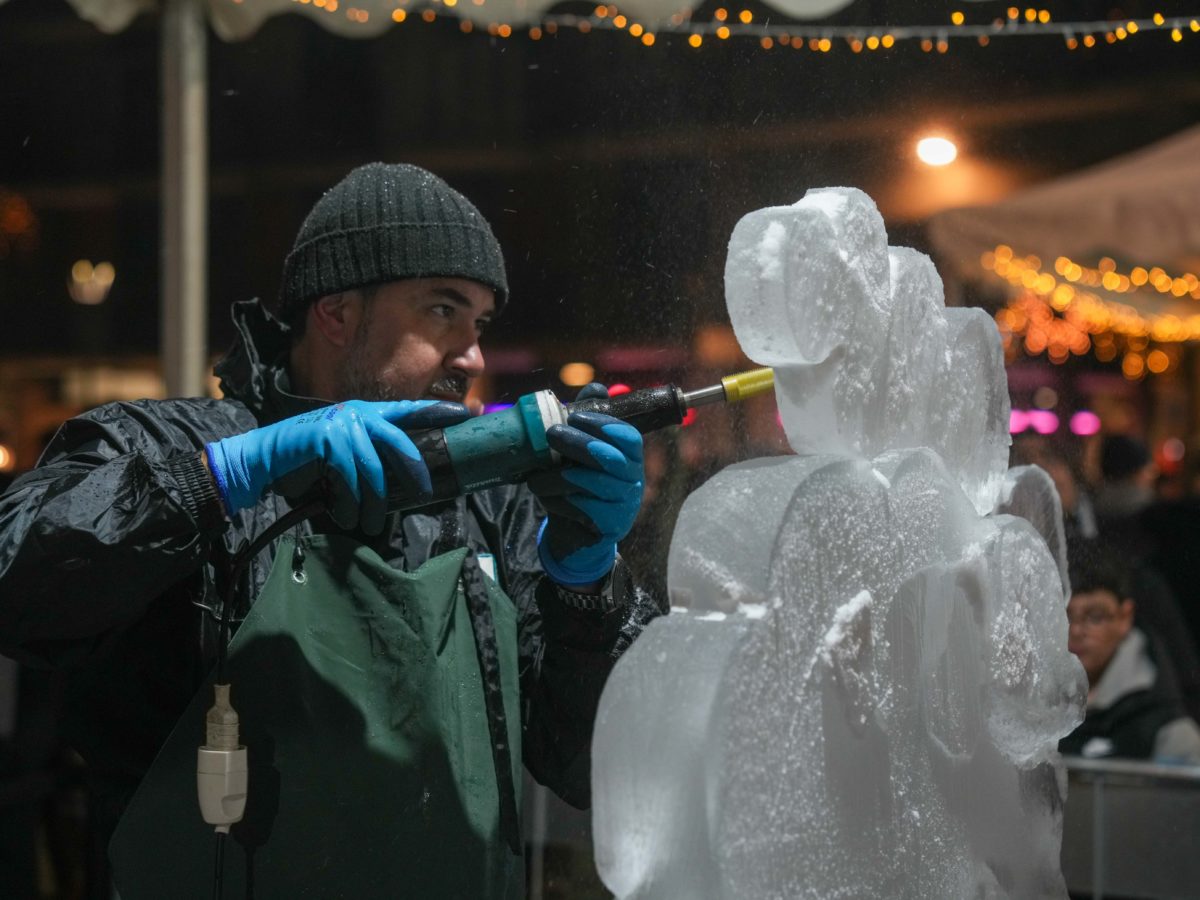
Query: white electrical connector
[(222, 772)]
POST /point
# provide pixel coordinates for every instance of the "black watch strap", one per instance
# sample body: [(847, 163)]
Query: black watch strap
[(610, 596)]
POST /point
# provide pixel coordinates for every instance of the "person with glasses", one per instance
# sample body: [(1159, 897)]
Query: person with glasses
[(1133, 708)]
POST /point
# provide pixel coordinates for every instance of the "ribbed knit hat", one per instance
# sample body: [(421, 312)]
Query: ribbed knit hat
[(385, 223)]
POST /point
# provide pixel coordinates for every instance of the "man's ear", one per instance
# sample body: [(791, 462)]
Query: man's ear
[(1125, 610), (336, 317)]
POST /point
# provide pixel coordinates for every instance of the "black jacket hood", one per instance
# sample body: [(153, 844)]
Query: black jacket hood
[(254, 370)]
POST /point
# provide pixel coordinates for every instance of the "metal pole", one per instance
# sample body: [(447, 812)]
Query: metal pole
[(184, 203), (1098, 848)]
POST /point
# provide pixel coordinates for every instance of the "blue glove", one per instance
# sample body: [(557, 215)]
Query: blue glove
[(348, 445), (593, 500)]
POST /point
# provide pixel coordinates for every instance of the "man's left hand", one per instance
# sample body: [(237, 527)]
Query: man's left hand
[(593, 500)]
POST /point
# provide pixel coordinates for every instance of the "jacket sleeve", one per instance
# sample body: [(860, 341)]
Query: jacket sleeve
[(566, 655), (115, 513)]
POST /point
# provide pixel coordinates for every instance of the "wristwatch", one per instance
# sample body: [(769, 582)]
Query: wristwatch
[(610, 596)]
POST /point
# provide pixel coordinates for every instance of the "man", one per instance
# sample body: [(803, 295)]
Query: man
[(1156, 538), (114, 555), (1133, 707)]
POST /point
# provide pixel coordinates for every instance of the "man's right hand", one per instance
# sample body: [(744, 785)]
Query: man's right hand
[(350, 445)]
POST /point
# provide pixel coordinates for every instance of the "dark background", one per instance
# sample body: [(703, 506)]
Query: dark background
[(613, 173)]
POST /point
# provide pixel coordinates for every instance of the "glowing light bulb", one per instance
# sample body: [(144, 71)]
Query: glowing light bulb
[(936, 151)]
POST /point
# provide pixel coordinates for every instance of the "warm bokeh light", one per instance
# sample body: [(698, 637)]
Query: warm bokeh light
[(576, 374), (6, 459), (1045, 397), (90, 284), (1133, 366), (936, 151)]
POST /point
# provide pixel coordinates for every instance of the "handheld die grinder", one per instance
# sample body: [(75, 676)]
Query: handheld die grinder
[(509, 445)]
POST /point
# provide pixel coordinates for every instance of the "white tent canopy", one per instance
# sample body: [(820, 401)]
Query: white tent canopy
[(1141, 209)]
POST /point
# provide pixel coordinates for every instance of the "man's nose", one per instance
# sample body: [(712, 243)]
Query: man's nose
[(468, 360)]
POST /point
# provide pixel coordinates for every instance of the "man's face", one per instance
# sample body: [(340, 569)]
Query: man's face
[(1099, 622), (418, 339)]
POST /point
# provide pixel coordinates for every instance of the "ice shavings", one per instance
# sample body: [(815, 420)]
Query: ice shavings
[(845, 636), (770, 246)]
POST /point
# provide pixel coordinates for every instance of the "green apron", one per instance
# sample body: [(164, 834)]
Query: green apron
[(372, 769)]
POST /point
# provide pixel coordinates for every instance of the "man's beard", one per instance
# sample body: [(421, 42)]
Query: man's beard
[(360, 382)]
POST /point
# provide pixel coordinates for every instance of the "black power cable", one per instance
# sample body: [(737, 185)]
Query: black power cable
[(240, 561), (289, 520), (219, 867)]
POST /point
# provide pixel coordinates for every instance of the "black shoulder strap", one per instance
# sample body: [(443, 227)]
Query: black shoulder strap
[(484, 629)]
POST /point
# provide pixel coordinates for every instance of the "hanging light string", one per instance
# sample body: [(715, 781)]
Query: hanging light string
[(822, 38), (726, 24), (1057, 314)]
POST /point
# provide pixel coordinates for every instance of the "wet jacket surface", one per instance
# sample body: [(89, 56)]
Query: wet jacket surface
[(109, 563)]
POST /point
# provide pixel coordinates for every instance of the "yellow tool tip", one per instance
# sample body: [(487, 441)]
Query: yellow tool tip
[(747, 384)]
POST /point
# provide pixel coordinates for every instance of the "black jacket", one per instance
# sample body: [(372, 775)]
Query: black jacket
[(1134, 700), (108, 558)]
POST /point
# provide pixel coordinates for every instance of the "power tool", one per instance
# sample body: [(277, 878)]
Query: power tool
[(509, 445)]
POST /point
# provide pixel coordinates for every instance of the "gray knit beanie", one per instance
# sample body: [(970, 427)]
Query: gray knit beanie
[(385, 223)]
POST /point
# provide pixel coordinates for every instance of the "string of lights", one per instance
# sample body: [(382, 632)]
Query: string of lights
[(824, 38), (1058, 317), (1107, 276), (727, 24)]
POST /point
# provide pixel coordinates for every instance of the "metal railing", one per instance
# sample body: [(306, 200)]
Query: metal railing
[(1131, 829)]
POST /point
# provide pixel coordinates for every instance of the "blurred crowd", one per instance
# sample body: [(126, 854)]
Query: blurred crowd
[(1134, 612)]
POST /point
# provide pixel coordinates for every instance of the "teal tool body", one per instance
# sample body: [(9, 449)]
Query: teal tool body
[(510, 445)]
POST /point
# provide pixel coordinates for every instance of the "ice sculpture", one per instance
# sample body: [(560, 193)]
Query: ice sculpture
[(865, 691)]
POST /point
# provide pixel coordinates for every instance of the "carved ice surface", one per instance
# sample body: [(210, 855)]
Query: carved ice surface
[(866, 356), (865, 692)]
